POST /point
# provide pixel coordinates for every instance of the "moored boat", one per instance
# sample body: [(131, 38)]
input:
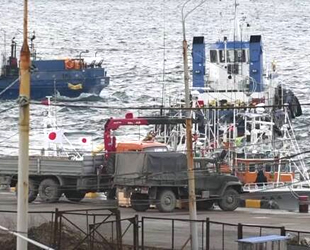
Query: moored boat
[(53, 77)]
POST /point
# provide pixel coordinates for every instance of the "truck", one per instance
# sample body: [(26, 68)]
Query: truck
[(160, 178), (50, 177)]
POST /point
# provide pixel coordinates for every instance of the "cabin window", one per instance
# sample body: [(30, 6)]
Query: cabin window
[(284, 167), (236, 55), (240, 55), (213, 56), (230, 56), (222, 56), (252, 167), (241, 167), (268, 167)]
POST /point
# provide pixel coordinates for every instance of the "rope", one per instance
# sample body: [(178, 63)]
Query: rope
[(9, 86)]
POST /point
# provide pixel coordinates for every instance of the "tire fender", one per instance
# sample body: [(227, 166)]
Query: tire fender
[(233, 184)]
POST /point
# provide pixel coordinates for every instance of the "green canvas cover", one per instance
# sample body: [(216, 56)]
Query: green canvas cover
[(148, 168)]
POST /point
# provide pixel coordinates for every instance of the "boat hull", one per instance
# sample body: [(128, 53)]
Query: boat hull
[(53, 77), (42, 88)]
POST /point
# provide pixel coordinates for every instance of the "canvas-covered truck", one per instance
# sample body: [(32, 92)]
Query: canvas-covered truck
[(50, 177), (160, 178)]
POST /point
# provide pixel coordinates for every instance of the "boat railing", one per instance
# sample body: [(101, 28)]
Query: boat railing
[(251, 187)]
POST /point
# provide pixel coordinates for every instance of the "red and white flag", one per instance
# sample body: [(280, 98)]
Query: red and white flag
[(85, 141), (55, 136)]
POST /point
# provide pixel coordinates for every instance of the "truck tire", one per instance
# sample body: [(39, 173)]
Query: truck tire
[(49, 190), (139, 202), (74, 195), (230, 200), (166, 201), (33, 190), (111, 164), (205, 205)]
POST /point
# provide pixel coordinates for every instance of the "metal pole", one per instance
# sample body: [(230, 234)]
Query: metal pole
[(189, 145), (23, 159), (190, 159)]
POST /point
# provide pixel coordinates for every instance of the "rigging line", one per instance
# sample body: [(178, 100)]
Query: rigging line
[(8, 138), (7, 109), (9, 86), (158, 107)]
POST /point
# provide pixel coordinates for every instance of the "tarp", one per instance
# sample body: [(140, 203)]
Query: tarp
[(147, 167)]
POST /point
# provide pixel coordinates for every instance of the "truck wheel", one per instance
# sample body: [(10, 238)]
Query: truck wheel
[(74, 195), (230, 200), (166, 201), (49, 190), (32, 192), (111, 164), (205, 205), (139, 202)]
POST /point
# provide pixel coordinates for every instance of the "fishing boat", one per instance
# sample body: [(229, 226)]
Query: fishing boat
[(53, 77), (242, 118)]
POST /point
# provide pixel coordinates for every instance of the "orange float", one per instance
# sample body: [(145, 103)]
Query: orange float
[(69, 64)]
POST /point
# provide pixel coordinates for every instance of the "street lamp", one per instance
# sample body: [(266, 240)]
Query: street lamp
[(189, 143)]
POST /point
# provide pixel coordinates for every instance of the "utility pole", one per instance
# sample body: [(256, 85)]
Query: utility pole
[(189, 143), (23, 159)]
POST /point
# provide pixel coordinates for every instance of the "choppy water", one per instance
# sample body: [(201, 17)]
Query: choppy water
[(131, 36)]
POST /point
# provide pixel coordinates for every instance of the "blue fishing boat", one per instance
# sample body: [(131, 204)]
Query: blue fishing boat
[(59, 77)]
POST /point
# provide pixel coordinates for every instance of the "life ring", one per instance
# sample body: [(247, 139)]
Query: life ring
[(69, 64)]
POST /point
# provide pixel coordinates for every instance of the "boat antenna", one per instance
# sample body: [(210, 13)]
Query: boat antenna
[(32, 49), (164, 60), (4, 41)]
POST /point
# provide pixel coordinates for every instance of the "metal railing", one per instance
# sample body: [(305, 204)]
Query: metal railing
[(103, 228)]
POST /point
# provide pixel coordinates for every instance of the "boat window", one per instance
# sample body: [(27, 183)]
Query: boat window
[(276, 167), (236, 55), (213, 56), (230, 56), (252, 168), (241, 167), (268, 167), (284, 167), (222, 56), (240, 55)]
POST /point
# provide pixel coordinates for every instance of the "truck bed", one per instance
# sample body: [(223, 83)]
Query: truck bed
[(62, 166)]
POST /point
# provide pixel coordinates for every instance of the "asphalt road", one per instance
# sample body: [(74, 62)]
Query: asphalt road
[(158, 232)]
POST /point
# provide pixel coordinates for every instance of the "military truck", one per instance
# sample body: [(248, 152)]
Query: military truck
[(160, 178)]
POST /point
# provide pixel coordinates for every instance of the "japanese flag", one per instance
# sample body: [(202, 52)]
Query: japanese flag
[(55, 136), (85, 141)]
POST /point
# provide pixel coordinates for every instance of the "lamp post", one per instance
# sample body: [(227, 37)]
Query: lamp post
[(189, 143), (23, 159)]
